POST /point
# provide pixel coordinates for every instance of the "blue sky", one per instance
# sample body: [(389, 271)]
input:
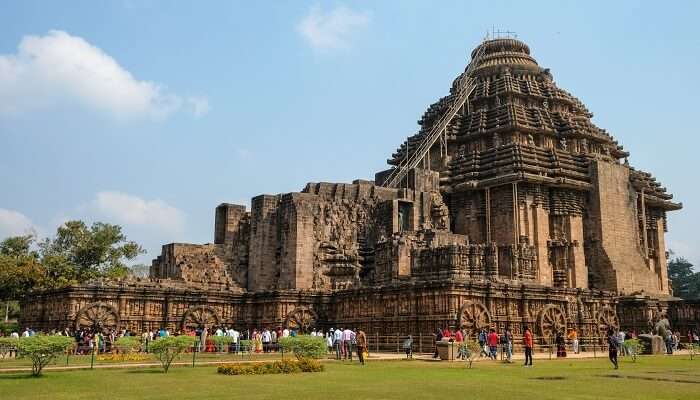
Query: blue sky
[(149, 114)]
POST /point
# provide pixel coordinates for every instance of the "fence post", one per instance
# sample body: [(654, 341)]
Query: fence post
[(550, 348), (92, 358), (194, 352), (377, 335), (397, 343), (594, 350), (420, 342)]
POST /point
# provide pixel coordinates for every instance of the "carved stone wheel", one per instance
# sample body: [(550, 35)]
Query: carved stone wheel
[(302, 319), (473, 316), (607, 318), (551, 320), (199, 317), (98, 316)]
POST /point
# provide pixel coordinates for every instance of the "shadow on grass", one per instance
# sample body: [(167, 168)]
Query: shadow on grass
[(649, 378), (145, 371), (14, 376)]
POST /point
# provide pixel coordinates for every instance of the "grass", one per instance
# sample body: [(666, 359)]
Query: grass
[(651, 377)]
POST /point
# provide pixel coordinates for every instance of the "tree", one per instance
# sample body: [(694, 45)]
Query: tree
[(42, 349), (685, 282), (80, 253), (20, 270), (471, 350), (169, 347), (139, 270)]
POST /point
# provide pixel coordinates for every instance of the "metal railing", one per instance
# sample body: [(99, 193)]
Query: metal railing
[(438, 129)]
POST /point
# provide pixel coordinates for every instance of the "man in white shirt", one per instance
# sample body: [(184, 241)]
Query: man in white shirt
[(347, 343), (338, 342), (266, 339), (285, 332)]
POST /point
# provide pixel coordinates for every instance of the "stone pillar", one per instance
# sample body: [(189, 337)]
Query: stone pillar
[(577, 260), (540, 223)]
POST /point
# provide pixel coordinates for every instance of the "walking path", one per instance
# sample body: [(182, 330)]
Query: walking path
[(373, 357)]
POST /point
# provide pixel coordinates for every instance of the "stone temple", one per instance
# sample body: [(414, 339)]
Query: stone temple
[(508, 207)]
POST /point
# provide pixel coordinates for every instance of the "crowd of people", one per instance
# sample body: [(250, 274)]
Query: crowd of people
[(490, 342), (343, 342)]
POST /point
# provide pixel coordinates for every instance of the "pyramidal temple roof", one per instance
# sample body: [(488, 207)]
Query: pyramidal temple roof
[(515, 108)]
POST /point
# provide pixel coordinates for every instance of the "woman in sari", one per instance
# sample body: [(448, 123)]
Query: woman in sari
[(258, 342)]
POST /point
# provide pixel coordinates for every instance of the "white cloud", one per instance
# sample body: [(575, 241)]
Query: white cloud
[(14, 223), (135, 211), (57, 68), (333, 29)]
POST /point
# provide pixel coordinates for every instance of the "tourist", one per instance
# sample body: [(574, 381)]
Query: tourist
[(492, 340), (676, 340), (338, 342), (612, 347), (329, 340), (438, 339), (507, 341), (696, 337), (273, 340), (257, 338), (458, 337), (446, 332), (573, 336), (285, 332), (483, 336), (266, 339), (561, 344), (235, 340), (408, 347), (347, 343), (621, 342), (361, 345), (528, 343)]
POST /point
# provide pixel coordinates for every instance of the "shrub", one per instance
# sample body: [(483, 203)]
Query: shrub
[(277, 367), (305, 346), (7, 346), (128, 344), (170, 347), (245, 345), (633, 347), (693, 349), (42, 349), (122, 357), (221, 342), (310, 365)]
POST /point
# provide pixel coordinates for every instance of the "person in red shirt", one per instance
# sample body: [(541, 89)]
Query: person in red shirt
[(446, 333), (459, 338), (492, 340), (528, 342)]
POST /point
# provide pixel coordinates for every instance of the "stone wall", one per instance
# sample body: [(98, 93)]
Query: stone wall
[(617, 261)]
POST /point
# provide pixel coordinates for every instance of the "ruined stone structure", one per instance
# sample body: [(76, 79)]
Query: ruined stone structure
[(523, 212)]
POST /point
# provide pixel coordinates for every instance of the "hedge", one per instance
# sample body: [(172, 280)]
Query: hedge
[(277, 367)]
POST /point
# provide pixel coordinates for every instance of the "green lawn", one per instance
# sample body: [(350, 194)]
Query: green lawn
[(650, 378)]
